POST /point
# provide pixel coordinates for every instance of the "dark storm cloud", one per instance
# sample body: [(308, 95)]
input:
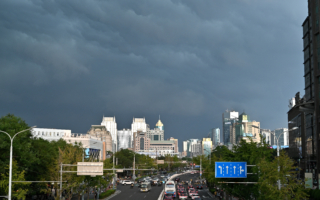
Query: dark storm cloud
[(65, 63)]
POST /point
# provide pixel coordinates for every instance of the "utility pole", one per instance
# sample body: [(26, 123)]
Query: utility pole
[(114, 175), (200, 166), (134, 167)]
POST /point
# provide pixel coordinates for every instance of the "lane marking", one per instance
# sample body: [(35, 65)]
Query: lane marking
[(144, 196)]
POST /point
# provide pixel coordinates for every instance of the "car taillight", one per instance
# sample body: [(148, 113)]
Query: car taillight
[(196, 191)]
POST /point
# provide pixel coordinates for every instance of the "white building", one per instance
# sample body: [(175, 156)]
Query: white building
[(50, 134), (284, 136), (139, 124), (267, 134), (124, 139), (111, 126)]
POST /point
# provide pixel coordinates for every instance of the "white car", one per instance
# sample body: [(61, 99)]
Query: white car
[(127, 182), (193, 196)]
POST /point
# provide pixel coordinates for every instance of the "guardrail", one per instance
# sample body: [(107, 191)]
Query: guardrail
[(162, 193)]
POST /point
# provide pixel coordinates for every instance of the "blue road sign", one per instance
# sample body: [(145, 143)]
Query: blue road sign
[(231, 169)]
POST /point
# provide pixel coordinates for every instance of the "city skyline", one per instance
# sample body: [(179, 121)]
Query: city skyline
[(64, 65)]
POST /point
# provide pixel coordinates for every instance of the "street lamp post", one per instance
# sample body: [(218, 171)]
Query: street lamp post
[(10, 167)]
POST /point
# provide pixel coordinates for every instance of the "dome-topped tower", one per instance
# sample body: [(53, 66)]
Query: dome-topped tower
[(159, 124)]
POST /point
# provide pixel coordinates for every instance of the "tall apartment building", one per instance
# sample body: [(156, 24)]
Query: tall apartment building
[(228, 119), (111, 126)]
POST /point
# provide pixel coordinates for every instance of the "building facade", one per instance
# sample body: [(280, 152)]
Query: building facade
[(206, 146), (124, 139), (214, 134), (228, 119), (141, 143), (283, 137), (245, 129), (111, 126), (267, 134)]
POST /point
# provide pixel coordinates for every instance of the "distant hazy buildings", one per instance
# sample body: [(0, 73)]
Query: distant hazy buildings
[(228, 119), (245, 129)]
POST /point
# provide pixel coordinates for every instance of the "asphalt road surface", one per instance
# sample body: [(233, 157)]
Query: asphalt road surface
[(134, 193), (203, 193)]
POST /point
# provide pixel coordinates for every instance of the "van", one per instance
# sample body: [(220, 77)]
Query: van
[(145, 187)]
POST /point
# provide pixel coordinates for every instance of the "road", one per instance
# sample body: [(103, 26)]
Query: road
[(134, 193), (128, 193), (202, 193)]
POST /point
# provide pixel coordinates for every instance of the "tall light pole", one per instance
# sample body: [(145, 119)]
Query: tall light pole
[(134, 166), (10, 167)]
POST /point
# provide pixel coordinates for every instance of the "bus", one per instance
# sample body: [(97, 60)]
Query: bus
[(170, 188)]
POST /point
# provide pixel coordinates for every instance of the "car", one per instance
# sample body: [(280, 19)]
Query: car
[(192, 191), (183, 195), (194, 196), (127, 182), (190, 186), (168, 196), (145, 187), (192, 172), (199, 186)]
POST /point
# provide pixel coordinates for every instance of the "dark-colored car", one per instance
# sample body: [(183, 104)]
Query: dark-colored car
[(199, 186), (177, 179)]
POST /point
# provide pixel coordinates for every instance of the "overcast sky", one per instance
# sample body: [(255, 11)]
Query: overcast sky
[(65, 64)]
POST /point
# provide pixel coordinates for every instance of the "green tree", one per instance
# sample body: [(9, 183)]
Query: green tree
[(291, 187), (19, 189)]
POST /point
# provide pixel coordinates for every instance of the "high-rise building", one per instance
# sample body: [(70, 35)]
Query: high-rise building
[(214, 134), (206, 146), (156, 134), (124, 139), (304, 145), (141, 142), (245, 129), (111, 126), (228, 118)]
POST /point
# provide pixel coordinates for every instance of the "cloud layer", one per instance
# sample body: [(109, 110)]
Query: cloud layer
[(63, 64)]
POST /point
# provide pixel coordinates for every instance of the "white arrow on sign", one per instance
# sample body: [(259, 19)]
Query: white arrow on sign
[(234, 169), (220, 169), (241, 170), (227, 169)]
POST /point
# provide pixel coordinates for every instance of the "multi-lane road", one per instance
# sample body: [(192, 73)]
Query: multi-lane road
[(128, 193)]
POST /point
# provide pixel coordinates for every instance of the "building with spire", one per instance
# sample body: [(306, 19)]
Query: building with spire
[(156, 134)]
